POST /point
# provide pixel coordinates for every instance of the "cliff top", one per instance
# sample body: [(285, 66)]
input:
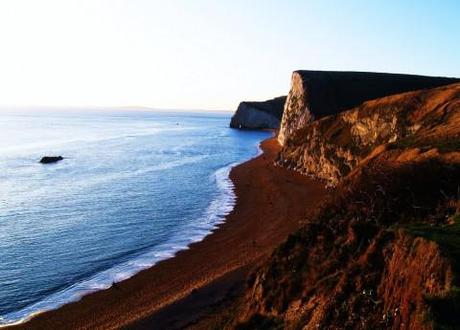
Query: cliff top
[(274, 106), (334, 91), (316, 94)]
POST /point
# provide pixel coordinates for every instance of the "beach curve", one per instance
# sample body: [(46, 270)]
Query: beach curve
[(263, 216)]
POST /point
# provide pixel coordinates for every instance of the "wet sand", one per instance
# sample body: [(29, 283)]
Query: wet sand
[(176, 292)]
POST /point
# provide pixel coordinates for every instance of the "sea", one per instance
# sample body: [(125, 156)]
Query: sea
[(135, 187)]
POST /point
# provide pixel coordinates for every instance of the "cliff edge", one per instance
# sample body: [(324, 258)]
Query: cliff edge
[(316, 94), (329, 148)]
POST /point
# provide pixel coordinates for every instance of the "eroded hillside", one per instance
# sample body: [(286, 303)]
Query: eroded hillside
[(329, 148), (383, 252)]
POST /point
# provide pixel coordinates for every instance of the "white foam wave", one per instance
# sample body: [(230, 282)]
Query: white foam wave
[(214, 215)]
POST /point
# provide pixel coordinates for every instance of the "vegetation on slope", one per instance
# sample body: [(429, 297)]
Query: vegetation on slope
[(384, 251), (342, 269)]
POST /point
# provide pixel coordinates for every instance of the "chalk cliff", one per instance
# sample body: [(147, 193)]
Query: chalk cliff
[(315, 94), (259, 115), (330, 147)]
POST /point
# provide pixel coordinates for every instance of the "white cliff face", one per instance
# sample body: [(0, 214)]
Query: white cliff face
[(296, 114)]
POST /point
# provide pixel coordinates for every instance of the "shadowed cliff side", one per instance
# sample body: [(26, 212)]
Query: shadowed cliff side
[(259, 115), (315, 94)]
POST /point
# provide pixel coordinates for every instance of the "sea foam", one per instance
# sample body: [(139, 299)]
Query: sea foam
[(183, 156), (214, 215)]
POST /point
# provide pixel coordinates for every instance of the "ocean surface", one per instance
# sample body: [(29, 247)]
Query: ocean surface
[(134, 188)]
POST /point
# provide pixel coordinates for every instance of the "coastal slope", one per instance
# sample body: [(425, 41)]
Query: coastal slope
[(383, 251)]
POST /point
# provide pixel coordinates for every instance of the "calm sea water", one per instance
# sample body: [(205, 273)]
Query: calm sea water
[(134, 188)]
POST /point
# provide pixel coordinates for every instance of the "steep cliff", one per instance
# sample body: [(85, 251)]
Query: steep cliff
[(384, 251), (315, 94), (259, 115), (329, 148)]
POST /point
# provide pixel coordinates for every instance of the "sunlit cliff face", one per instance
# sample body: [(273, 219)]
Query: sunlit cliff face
[(330, 148)]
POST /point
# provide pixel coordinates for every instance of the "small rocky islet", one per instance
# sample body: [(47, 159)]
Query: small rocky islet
[(50, 159)]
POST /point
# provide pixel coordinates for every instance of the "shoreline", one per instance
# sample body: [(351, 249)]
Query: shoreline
[(93, 284), (221, 207), (254, 227)]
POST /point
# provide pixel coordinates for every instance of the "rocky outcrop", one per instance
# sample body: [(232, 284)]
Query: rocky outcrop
[(329, 148), (259, 115), (316, 94), (51, 159)]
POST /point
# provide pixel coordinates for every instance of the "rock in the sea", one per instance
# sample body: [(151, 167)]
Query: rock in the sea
[(316, 94), (259, 115), (50, 159)]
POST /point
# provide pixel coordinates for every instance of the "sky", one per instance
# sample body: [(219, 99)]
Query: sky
[(203, 54)]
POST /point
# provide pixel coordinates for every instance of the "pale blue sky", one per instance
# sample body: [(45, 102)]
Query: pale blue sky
[(203, 54)]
